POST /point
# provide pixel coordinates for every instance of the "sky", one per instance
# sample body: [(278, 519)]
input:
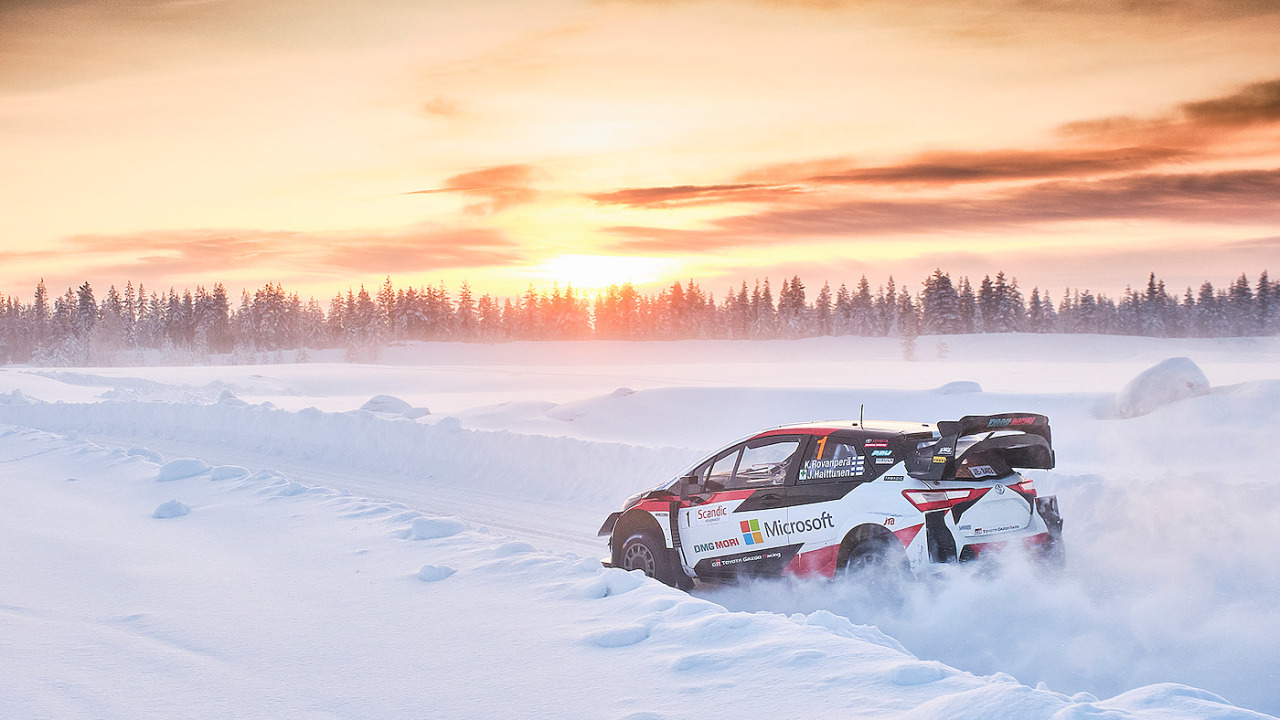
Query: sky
[(332, 143)]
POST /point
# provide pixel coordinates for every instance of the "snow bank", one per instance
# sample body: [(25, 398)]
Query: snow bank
[(517, 465), (1167, 382)]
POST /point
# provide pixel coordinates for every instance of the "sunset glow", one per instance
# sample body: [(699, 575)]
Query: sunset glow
[(595, 142)]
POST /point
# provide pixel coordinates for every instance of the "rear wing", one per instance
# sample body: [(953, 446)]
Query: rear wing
[(1018, 440)]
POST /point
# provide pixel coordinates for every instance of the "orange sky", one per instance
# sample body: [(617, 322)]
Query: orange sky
[(331, 143)]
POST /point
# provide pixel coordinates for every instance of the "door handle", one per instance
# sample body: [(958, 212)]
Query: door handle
[(770, 500)]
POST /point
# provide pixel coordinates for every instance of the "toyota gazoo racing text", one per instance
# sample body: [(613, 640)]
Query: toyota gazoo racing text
[(822, 498)]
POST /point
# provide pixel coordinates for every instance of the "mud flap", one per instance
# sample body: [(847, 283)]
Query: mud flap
[(1054, 553), (941, 544), (678, 578)]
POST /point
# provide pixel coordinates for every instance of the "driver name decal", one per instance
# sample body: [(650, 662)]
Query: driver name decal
[(826, 469)]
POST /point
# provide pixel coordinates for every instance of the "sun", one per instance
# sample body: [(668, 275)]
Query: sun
[(591, 273)]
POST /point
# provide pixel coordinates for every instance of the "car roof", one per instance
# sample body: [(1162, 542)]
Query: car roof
[(829, 426)]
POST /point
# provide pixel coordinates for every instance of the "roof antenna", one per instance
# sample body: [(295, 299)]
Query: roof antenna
[(860, 406)]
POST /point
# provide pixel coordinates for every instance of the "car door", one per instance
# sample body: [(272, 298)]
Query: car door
[(832, 467), (737, 521)]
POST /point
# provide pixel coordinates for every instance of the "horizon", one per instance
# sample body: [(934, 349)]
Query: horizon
[(591, 142), (654, 289)]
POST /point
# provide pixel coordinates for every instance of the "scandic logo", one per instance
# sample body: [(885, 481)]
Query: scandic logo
[(751, 532), (707, 514)]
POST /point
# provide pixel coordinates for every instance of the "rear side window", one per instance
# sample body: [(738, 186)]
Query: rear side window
[(831, 459)]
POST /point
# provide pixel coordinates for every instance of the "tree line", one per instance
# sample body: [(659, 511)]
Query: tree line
[(79, 328)]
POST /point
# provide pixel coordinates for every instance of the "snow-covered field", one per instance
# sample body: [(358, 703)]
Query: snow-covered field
[(322, 561)]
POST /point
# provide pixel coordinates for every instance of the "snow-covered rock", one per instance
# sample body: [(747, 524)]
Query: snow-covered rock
[(181, 469), (386, 404), (171, 509), (435, 573), (227, 472), (146, 454), (959, 387), (1167, 382), (436, 527)]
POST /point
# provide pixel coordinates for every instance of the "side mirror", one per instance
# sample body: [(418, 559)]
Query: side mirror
[(685, 482)]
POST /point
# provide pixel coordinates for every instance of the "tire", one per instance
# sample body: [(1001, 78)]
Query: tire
[(641, 551), (879, 565)]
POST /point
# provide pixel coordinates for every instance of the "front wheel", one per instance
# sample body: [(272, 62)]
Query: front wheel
[(641, 551)]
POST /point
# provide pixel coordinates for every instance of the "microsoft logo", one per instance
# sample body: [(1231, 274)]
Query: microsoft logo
[(751, 532)]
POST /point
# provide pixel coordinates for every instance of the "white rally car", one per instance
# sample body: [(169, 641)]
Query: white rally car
[(821, 498)]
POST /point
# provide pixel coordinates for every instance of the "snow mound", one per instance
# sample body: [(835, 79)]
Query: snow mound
[(146, 454), (959, 387), (622, 392), (437, 527), (17, 397), (514, 547), (171, 509), (434, 573), (229, 399), (291, 488), (181, 469), (386, 404), (618, 637), (612, 581), (228, 472), (1167, 382)]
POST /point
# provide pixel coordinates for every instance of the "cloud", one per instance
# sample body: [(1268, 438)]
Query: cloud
[(1101, 149), (1233, 197), (1253, 104), (1191, 125), (218, 252), (995, 10), (498, 187), (441, 107), (685, 195), (946, 168)]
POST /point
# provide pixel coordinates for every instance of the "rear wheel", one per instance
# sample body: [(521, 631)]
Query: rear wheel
[(879, 564)]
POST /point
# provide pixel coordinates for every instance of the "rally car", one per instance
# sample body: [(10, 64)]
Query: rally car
[(828, 497)]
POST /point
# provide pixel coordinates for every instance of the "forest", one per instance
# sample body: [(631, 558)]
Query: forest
[(81, 328)]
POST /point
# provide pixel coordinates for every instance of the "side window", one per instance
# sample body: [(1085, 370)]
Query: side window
[(832, 460), (721, 475), (765, 462)]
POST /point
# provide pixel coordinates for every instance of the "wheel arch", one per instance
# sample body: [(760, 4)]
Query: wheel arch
[(866, 532), (631, 522)]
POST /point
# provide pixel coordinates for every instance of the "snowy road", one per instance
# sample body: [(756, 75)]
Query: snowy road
[(1158, 510)]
